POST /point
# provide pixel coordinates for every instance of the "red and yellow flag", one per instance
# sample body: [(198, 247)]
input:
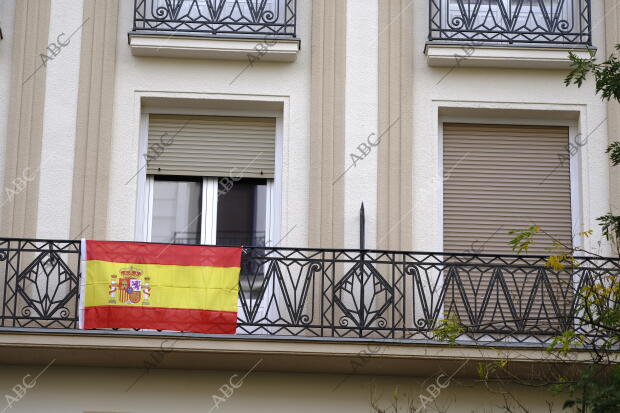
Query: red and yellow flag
[(159, 286)]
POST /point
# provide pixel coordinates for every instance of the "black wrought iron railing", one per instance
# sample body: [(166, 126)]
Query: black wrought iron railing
[(341, 293), (540, 22), (217, 17)]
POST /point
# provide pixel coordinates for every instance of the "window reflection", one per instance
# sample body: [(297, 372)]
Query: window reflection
[(176, 211)]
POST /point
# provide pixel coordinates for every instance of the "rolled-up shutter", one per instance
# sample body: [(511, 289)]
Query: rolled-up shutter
[(503, 177), (216, 146), (499, 178)]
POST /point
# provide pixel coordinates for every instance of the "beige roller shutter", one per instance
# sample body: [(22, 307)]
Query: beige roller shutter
[(502, 177), (498, 178), (216, 146)]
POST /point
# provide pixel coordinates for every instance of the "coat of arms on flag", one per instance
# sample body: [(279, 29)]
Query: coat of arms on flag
[(159, 286), (129, 287)]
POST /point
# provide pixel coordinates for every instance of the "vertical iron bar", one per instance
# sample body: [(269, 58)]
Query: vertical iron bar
[(362, 309), (403, 292), (294, 18), (17, 271), (394, 292), (135, 15), (362, 228), (333, 291), (362, 317), (6, 282), (589, 24), (79, 280), (321, 296)]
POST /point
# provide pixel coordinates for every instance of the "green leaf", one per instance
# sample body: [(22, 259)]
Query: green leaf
[(614, 153), (610, 226), (449, 329), (523, 239)]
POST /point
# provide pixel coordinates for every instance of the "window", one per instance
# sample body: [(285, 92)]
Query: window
[(210, 180), (186, 210), (505, 177), (499, 178)]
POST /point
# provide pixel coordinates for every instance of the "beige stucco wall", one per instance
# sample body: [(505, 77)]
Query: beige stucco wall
[(355, 87), (78, 390), (361, 119), (315, 208)]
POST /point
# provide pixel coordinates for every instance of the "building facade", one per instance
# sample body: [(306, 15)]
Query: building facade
[(268, 124)]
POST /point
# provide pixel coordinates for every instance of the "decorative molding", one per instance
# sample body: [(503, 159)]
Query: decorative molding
[(395, 168), (25, 119), (327, 123), (94, 119)]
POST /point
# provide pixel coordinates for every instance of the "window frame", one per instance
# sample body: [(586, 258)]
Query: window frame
[(209, 206)]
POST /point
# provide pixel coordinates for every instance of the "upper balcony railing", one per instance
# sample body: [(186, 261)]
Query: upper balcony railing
[(217, 17), (526, 22), (341, 293)]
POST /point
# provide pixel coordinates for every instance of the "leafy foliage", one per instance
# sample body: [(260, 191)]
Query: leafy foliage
[(597, 389), (523, 239), (596, 392), (449, 329), (487, 369), (614, 153), (600, 304), (566, 342), (606, 74), (607, 82), (610, 226)]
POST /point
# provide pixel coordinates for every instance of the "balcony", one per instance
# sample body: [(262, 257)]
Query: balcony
[(339, 294), (508, 33), (215, 29), (315, 311)]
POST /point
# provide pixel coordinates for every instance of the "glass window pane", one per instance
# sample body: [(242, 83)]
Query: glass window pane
[(241, 213), (241, 221), (176, 211)]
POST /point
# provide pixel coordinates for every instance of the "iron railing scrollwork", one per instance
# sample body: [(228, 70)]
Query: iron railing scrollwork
[(477, 22), (342, 293), (40, 283), (217, 17)]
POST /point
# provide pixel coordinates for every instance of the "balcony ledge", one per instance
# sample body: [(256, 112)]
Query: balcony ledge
[(228, 48), (277, 354), (513, 57)]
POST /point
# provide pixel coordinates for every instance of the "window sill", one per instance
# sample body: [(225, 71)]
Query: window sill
[(514, 57), (228, 48)]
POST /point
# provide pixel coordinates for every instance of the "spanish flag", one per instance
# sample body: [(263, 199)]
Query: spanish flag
[(159, 286)]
